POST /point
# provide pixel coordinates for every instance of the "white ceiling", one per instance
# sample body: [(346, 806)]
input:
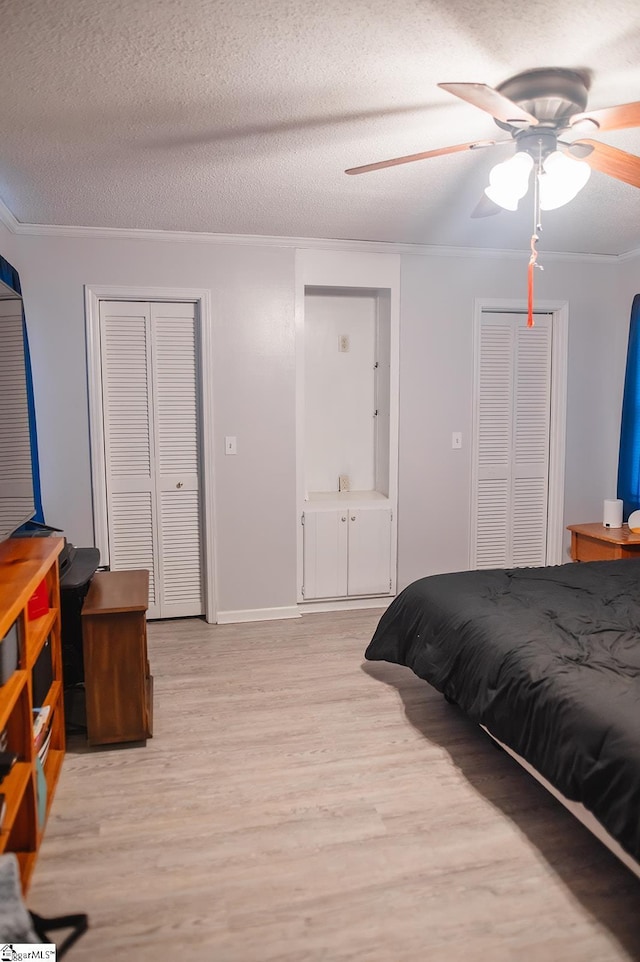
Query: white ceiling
[(240, 116)]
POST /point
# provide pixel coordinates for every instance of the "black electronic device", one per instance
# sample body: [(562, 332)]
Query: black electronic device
[(9, 650), (74, 585), (42, 675), (7, 761)]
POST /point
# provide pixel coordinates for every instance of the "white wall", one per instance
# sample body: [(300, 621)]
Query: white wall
[(253, 290), (339, 396), (436, 363), (254, 392), (628, 285), (7, 241)]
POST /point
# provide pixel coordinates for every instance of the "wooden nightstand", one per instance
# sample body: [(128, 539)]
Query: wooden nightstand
[(594, 542)]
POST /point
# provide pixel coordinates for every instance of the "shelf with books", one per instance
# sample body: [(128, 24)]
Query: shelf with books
[(10, 692), (13, 787), (38, 631), (29, 584), (52, 769)]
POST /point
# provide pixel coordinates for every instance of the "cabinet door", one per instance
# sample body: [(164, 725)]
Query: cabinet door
[(369, 555), (325, 554)]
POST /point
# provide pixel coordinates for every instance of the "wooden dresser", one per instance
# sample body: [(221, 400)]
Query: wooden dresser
[(118, 682), (594, 542)]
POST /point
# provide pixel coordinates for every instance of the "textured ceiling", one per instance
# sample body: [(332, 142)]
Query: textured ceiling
[(240, 116)]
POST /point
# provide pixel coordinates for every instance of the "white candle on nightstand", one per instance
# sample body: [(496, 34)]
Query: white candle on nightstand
[(612, 513)]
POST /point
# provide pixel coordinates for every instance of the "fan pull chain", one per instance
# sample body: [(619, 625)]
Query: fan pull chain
[(532, 264), (533, 260)]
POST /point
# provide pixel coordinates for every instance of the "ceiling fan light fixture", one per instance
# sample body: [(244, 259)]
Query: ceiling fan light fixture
[(561, 179), (509, 181)]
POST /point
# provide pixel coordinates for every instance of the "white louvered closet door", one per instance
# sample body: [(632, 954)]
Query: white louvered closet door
[(173, 329), (511, 441), (16, 484), (148, 362)]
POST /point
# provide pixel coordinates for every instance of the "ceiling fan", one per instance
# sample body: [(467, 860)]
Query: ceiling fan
[(538, 108)]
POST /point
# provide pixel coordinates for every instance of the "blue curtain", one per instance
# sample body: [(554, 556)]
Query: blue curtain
[(10, 276), (629, 459)]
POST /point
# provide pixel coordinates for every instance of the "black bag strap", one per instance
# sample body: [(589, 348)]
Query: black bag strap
[(43, 927)]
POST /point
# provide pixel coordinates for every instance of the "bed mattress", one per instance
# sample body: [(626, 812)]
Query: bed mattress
[(548, 660)]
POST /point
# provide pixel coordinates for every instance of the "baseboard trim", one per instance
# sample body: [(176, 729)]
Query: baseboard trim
[(306, 607), (256, 614)]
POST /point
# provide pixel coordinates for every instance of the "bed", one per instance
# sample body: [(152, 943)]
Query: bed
[(547, 661)]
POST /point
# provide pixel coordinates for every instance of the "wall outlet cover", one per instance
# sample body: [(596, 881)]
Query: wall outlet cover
[(343, 483)]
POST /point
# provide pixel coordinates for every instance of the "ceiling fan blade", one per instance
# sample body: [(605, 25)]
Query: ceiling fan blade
[(486, 208), (609, 160), (611, 118), (438, 152), (486, 98)]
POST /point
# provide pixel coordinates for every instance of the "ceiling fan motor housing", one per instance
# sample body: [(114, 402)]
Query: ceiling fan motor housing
[(539, 142), (552, 95)]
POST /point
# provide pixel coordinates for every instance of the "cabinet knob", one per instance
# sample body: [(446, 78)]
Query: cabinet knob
[(343, 518), (180, 484), (353, 517)]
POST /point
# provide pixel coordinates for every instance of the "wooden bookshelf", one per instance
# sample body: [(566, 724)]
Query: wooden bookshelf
[(24, 564)]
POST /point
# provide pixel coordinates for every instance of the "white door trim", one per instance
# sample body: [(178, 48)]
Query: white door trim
[(558, 415), (93, 294)]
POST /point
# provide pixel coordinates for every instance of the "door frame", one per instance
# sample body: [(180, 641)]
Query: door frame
[(93, 294), (557, 415)]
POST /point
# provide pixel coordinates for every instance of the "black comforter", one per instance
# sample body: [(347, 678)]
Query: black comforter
[(548, 660)]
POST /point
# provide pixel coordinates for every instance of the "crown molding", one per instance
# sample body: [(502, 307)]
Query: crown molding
[(264, 240), (7, 218), (629, 255)]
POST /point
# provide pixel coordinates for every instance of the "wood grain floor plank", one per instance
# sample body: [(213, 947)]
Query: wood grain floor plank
[(299, 805)]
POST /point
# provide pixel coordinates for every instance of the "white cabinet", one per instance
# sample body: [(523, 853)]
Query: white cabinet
[(347, 551), (325, 547), (369, 551)]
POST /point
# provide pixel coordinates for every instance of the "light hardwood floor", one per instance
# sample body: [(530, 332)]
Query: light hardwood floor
[(297, 804)]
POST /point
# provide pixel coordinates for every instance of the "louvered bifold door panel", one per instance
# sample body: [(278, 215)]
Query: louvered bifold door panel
[(131, 534), (492, 445), (511, 441), (532, 399), (16, 484), (174, 350), (128, 438)]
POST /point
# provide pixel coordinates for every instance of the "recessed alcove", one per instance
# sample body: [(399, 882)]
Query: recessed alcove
[(346, 392)]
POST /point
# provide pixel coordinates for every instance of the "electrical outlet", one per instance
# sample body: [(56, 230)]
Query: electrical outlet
[(343, 343), (343, 483)]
